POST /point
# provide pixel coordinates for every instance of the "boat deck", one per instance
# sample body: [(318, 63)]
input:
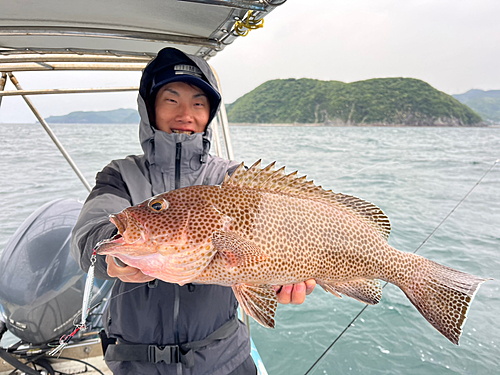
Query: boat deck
[(89, 351), (79, 359)]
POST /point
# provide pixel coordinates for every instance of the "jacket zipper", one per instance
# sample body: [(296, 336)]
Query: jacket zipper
[(177, 340), (177, 306), (177, 302), (178, 152)]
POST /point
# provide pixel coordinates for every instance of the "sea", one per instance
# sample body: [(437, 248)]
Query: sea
[(438, 182)]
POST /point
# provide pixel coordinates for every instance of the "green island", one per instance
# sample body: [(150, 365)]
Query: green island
[(376, 102), (116, 116), (485, 103)]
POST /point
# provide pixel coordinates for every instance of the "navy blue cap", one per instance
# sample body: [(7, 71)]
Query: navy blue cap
[(185, 73)]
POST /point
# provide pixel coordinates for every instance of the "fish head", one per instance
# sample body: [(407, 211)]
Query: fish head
[(167, 236), (155, 224)]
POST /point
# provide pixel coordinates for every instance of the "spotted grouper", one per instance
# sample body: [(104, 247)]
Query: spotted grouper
[(262, 228)]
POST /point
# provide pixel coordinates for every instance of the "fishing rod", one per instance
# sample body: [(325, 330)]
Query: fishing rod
[(417, 249)]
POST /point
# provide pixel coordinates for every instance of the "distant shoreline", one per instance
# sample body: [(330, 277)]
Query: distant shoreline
[(236, 124), (483, 125)]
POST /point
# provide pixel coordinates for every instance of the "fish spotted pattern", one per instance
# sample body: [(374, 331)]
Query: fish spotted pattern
[(262, 227)]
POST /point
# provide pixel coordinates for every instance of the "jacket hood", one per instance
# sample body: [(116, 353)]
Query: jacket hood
[(172, 63), (158, 146)]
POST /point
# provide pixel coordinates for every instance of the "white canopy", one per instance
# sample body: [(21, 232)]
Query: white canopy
[(41, 33)]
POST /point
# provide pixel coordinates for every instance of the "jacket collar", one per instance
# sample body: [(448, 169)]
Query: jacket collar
[(160, 148)]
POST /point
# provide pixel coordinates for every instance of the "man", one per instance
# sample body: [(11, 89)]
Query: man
[(163, 328)]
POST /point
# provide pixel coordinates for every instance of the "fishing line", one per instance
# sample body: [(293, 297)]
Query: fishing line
[(128, 291), (118, 295), (458, 204), (84, 314), (417, 249)]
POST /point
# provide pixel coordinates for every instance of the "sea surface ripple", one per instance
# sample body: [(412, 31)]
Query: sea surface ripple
[(416, 175)]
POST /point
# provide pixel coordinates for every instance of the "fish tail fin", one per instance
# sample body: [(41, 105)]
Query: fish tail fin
[(442, 295)]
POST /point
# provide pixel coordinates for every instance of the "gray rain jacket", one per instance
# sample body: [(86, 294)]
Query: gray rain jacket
[(166, 314)]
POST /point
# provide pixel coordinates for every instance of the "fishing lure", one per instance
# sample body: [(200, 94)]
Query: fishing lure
[(87, 298)]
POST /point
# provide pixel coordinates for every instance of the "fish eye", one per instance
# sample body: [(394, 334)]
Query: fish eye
[(158, 205)]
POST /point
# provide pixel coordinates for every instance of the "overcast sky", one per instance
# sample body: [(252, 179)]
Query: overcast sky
[(454, 45)]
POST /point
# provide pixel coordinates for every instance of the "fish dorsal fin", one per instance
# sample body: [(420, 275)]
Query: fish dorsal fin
[(240, 171), (277, 181), (367, 211)]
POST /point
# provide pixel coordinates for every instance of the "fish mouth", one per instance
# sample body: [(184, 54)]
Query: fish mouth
[(119, 224), (122, 239), (181, 131), (108, 245)]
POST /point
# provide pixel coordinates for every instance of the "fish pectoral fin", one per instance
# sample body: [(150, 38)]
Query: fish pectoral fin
[(368, 291), (258, 301), (236, 250)]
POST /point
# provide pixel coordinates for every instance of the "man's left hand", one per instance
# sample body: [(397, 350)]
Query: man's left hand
[(294, 293)]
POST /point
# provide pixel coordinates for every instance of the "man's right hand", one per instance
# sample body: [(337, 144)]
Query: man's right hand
[(126, 274)]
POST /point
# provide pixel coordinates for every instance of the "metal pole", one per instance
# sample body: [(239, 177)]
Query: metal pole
[(51, 134), (68, 57), (241, 4), (3, 81), (39, 67), (224, 122), (59, 31), (66, 91), (225, 130), (216, 137)]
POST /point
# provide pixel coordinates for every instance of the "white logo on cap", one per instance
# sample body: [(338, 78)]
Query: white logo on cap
[(187, 69)]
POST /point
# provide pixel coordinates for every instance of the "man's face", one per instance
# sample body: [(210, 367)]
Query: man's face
[(181, 108)]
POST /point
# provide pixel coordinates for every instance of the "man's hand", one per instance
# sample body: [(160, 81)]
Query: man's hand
[(126, 274), (295, 293)]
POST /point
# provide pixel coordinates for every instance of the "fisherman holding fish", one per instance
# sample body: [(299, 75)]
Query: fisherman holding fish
[(158, 327)]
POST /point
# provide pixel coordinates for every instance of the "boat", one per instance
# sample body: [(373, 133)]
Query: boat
[(115, 35), (119, 36)]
